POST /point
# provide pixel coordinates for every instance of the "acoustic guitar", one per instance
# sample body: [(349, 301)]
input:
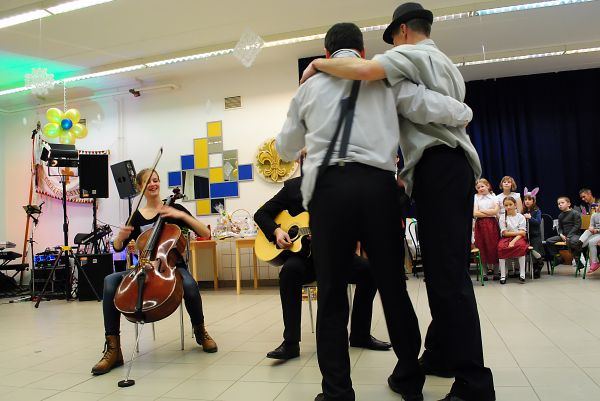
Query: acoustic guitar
[(296, 227)]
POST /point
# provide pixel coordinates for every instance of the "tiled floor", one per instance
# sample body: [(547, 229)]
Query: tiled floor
[(542, 341)]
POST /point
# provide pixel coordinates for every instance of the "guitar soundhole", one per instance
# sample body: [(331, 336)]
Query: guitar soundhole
[(293, 232)]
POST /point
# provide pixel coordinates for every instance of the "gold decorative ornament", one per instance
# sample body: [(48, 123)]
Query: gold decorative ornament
[(269, 164)]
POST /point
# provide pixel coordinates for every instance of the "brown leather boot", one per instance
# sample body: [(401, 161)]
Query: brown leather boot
[(112, 356), (204, 339)]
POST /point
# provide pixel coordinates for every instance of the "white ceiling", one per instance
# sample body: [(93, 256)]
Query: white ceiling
[(125, 32)]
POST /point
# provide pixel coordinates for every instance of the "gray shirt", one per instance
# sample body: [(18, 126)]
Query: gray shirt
[(315, 110), (424, 63)]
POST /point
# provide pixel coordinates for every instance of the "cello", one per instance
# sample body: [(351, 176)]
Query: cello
[(153, 289)]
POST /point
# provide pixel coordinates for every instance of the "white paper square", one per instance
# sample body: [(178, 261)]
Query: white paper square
[(215, 160)]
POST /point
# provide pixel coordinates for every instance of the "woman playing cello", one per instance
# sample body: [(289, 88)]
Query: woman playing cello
[(141, 219)]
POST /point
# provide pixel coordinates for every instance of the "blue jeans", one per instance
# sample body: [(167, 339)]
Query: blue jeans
[(112, 317)]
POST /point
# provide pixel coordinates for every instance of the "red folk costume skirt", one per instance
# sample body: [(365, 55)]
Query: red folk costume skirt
[(487, 235), (520, 248)]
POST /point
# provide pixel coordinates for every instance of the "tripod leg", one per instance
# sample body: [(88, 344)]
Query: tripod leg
[(85, 275), (127, 382), (56, 262)]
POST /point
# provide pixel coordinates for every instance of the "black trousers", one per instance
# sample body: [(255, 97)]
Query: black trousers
[(360, 203), (443, 191), (299, 270)]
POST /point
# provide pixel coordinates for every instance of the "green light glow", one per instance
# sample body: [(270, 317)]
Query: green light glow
[(13, 68)]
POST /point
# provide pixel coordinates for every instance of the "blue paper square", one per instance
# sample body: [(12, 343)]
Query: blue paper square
[(174, 178), (224, 190), (245, 172), (187, 162)]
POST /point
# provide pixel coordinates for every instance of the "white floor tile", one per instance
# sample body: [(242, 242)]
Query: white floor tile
[(541, 340)]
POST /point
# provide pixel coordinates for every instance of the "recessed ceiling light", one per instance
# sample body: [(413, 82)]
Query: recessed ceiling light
[(21, 18), (74, 5)]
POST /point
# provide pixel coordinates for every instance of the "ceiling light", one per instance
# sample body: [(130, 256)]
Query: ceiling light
[(529, 56), (15, 90), (530, 6), (104, 73), (74, 5), (512, 58), (25, 17), (192, 57), (579, 51)]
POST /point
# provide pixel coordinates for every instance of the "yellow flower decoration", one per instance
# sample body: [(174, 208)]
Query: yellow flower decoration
[(269, 164), (65, 126)]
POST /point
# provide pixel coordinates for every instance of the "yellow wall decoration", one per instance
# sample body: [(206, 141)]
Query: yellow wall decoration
[(216, 174), (203, 207), (201, 153), (269, 164), (215, 128)]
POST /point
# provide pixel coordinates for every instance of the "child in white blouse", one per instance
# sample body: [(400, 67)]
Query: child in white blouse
[(508, 186), (513, 229)]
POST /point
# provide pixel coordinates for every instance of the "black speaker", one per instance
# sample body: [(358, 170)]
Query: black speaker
[(96, 267), (93, 176), (124, 175)]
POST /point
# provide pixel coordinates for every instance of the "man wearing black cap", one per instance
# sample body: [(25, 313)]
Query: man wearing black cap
[(445, 156)]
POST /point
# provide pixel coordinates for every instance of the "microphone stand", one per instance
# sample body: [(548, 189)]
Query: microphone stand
[(66, 253)]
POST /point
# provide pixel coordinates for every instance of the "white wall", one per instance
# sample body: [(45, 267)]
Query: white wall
[(134, 128)]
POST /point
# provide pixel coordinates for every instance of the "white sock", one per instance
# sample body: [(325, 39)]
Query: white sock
[(502, 268), (522, 267)]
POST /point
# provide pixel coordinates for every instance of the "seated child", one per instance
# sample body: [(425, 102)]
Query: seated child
[(569, 226)]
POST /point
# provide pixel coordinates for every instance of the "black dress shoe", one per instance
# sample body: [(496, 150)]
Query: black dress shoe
[(432, 370), (406, 396), (285, 351), (371, 343), (450, 397)]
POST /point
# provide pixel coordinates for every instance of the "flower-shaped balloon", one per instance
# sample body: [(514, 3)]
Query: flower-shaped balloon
[(65, 125)]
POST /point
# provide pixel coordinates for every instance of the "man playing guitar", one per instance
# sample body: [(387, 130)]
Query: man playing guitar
[(298, 269)]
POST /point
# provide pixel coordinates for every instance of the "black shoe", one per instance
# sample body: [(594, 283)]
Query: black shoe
[(502, 281), (371, 343), (320, 397), (285, 351), (430, 370), (485, 278), (450, 397), (522, 280), (406, 396)]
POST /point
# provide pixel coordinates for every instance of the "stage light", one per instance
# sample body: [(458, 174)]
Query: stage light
[(59, 155)]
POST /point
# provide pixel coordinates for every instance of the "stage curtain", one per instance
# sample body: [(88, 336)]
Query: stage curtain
[(543, 130)]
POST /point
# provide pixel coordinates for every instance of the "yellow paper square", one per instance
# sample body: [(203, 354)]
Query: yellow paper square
[(215, 175), (202, 207), (201, 153), (214, 128)]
